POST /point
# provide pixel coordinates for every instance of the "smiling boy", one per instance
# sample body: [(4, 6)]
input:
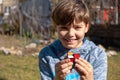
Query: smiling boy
[(71, 19)]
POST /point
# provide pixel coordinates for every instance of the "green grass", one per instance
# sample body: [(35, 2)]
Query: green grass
[(19, 68), (26, 68), (114, 67)]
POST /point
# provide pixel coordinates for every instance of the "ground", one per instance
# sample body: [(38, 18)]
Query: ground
[(18, 43), (9, 41)]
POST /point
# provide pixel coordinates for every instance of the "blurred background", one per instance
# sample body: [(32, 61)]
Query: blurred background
[(26, 27)]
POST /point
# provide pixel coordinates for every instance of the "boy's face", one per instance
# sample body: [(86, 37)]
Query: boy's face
[(72, 35)]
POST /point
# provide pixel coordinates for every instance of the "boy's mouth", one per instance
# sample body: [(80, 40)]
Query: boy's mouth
[(70, 40)]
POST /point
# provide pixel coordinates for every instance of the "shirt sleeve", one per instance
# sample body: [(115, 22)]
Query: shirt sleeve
[(45, 71), (100, 66)]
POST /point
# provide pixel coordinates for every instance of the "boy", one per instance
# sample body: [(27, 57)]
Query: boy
[(71, 19)]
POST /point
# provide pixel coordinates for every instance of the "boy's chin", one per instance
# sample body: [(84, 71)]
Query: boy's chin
[(70, 46)]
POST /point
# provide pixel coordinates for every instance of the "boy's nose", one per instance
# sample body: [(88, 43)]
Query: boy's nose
[(71, 32)]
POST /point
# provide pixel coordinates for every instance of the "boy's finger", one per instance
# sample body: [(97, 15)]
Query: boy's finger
[(64, 61)]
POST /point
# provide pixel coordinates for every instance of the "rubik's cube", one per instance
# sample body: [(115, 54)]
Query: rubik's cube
[(72, 57)]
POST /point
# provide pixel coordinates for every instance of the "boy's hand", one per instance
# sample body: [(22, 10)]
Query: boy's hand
[(84, 68), (62, 68)]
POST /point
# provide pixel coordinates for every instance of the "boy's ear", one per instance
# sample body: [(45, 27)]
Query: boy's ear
[(87, 28), (54, 26), (56, 29)]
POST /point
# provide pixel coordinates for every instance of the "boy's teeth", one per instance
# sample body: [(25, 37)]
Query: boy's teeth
[(70, 39)]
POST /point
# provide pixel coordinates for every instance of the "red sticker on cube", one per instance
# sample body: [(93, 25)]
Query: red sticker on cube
[(72, 56), (76, 56)]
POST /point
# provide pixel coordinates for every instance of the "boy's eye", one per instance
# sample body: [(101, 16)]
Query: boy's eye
[(78, 27), (65, 28)]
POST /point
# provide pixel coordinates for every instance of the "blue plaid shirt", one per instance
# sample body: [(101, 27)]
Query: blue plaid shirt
[(55, 52)]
